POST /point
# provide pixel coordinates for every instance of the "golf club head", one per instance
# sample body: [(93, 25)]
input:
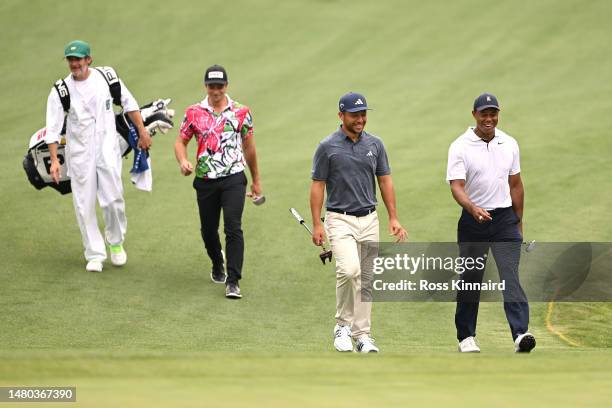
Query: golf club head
[(325, 255), (529, 246), (259, 200)]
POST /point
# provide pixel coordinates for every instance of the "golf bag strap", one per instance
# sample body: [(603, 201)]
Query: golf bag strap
[(111, 78), (62, 92)]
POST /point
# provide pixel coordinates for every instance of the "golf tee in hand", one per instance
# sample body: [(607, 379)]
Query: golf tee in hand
[(481, 215)]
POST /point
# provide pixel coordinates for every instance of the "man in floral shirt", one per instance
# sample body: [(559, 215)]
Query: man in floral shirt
[(224, 132)]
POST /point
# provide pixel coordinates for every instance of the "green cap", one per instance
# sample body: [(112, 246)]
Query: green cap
[(78, 49)]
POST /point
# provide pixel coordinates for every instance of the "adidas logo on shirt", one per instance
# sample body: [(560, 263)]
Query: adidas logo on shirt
[(370, 154)]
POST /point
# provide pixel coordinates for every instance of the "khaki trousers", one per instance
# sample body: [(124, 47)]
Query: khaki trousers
[(348, 235)]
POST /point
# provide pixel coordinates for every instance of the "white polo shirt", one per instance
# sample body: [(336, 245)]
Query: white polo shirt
[(485, 167)]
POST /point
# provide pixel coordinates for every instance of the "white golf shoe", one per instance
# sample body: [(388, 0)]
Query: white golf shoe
[(365, 344), (118, 255), (468, 345), (94, 266), (342, 338), (524, 343)]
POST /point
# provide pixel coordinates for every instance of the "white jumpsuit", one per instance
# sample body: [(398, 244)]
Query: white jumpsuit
[(93, 158)]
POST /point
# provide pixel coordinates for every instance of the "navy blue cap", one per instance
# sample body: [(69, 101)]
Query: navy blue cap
[(485, 101), (352, 102)]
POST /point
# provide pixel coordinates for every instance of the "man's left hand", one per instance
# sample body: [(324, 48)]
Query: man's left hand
[(144, 139), (396, 229), (255, 189)]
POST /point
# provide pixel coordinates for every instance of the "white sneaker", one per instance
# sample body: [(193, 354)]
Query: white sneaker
[(118, 255), (94, 266), (524, 343), (468, 345), (365, 344), (342, 338)]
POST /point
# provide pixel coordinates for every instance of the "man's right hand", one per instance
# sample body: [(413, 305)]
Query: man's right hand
[(186, 167), (480, 214), (318, 234), (54, 170)]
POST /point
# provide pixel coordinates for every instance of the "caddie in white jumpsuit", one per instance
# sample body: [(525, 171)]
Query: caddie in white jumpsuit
[(93, 158)]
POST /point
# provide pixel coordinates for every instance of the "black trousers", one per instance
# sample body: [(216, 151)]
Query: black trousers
[(503, 237), (227, 193)]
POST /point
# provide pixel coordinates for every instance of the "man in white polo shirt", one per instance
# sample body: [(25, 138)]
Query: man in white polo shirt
[(484, 175)]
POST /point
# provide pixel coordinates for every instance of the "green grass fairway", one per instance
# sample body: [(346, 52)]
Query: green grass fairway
[(549, 378), (158, 333)]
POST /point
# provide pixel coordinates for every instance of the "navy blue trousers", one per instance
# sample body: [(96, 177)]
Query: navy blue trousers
[(503, 237)]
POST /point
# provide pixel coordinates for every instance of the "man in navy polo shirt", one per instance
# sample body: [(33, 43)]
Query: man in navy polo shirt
[(484, 175), (348, 163)]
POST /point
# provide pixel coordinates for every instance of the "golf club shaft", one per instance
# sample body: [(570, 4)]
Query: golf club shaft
[(306, 226), (299, 219)]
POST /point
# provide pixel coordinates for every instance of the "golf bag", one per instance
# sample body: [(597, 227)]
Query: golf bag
[(37, 162)]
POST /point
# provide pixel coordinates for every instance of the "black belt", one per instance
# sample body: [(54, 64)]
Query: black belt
[(498, 210), (360, 213)]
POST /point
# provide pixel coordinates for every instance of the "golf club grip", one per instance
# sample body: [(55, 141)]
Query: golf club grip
[(297, 215)]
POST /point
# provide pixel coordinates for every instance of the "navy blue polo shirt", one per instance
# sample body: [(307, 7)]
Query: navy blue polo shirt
[(350, 169)]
